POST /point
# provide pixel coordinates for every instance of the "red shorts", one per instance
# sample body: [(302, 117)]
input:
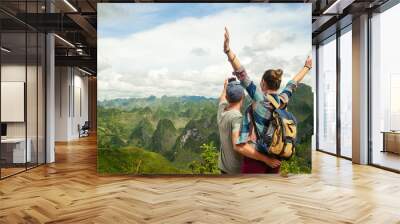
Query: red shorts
[(254, 166)]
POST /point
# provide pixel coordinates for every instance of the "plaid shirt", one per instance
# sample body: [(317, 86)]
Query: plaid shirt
[(262, 108)]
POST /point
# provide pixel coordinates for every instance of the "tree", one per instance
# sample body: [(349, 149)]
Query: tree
[(209, 160)]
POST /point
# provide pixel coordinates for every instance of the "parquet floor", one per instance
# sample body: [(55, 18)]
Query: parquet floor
[(11, 170), (70, 191)]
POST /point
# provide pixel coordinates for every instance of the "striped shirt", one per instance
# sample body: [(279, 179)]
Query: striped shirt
[(262, 108)]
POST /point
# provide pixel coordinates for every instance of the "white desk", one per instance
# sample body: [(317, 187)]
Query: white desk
[(18, 155)]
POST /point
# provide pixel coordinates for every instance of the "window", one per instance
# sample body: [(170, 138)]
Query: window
[(22, 77), (314, 86), (327, 96), (385, 89), (346, 93)]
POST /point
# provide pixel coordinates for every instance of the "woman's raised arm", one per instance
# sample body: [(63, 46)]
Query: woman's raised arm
[(307, 67), (240, 73), (231, 56)]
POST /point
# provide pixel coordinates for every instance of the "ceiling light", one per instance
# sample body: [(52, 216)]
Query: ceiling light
[(5, 50), (79, 51), (65, 41), (70, 5), (84, 71), (338, 6), (331, 7)]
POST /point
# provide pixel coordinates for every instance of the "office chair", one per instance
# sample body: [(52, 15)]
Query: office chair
[(84, 130)]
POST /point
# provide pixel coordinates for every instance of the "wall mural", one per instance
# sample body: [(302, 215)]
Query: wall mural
[(204, 88)]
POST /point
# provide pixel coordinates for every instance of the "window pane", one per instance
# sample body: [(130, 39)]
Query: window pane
[(385, 89), (327, 97), (14, 153), (314, 84), (346, 94)]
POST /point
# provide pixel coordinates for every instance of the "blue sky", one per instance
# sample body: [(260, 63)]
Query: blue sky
[(121, 19), (176, 49), (125, 19)]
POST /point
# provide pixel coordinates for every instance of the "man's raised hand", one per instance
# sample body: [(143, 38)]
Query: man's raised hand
[(225, 84)]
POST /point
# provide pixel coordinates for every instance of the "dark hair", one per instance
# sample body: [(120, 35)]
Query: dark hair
[(273, 78)]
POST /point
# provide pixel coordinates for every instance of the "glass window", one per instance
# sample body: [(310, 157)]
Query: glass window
[(327, 96), (314, 80), (22, 92), (346, 94), (385, 89), (14, 151)]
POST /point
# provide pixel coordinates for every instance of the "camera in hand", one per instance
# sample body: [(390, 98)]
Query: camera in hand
[(231, 79)]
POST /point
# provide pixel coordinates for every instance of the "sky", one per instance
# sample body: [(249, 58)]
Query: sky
[(150, 49)]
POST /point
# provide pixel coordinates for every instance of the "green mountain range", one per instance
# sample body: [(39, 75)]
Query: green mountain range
[(175, 129)]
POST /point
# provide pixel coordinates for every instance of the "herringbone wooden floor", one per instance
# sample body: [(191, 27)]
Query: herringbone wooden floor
[(70, 191)]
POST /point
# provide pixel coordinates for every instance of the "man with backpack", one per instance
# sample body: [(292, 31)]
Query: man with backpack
[(267, 126)]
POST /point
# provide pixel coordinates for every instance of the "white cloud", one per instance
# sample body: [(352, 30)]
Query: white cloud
[(199, 51), (185, 57)]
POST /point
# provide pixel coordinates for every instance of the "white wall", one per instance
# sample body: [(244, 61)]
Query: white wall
[(33, 127), (12, 73), (71, 94), (80, 110), (62, 82)]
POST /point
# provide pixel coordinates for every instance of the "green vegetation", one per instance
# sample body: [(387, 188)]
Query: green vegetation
[(134, 161), (173, 128), (179, 135), (300, 162), (209, 161)]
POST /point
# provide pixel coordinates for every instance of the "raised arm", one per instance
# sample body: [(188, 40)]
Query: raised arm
[(307, 67), (231, 56), (223, 94), (254, 93), (287, 92)]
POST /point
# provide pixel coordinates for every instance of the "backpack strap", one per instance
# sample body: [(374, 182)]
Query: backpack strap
[(251, 111), (273, 101)]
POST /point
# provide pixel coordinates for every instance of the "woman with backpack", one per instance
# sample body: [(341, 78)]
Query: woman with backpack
[(268, 107)]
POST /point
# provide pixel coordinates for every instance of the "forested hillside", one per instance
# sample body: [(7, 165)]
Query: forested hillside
[(178, 134)]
